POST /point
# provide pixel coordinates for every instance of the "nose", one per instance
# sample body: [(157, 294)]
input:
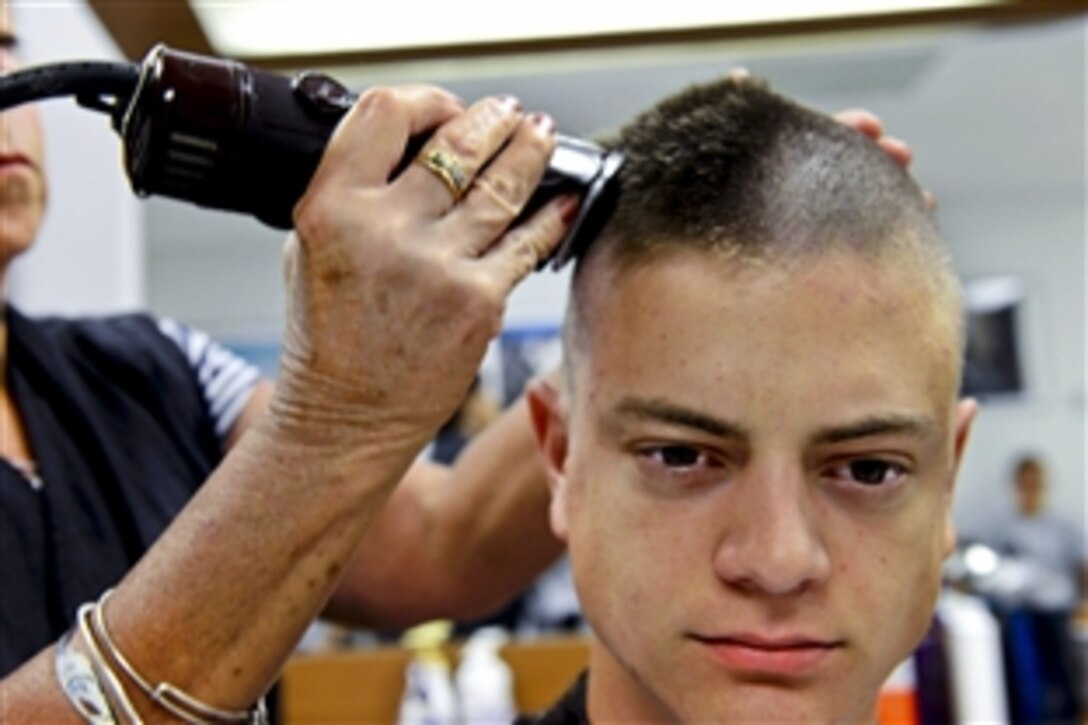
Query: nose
[(771, 542)]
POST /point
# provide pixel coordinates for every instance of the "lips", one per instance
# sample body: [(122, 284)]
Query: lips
[(783, 655), (10, 160)]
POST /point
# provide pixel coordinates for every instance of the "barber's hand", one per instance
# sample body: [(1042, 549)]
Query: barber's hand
[(395, 286)]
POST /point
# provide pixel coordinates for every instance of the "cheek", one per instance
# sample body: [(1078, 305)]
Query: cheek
[(892, 575), (633, 555)]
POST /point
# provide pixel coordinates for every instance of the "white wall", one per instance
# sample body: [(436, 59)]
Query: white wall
[(89, 255), (1041, 239)]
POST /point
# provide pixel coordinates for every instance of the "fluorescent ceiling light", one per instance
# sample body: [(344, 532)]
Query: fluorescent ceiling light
[(291, 27)]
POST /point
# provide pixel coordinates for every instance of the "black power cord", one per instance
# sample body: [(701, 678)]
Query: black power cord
[(100, 86)]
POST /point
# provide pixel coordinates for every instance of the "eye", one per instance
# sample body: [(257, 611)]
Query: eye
[(676, 467), (678, 456), (869, 472)]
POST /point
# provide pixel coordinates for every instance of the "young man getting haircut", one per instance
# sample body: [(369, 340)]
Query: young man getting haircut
[(753, 454)]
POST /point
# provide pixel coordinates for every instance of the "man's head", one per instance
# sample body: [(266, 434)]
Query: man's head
[(753, 458), (1030, 482), (22, 168)]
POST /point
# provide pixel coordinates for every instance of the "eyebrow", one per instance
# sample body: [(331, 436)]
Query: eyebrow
[(893, 424), (659, 410)]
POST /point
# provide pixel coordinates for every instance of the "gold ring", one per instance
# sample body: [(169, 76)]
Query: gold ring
[(447, 167)]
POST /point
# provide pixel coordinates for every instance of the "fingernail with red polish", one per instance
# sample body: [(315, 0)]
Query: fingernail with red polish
[(544, 122), (568, 208)]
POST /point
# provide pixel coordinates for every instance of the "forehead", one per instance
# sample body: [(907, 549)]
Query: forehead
[(707, 327)]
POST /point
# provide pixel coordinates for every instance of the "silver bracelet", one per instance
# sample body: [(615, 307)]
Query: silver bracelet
[(171, 698), (80, 684), (115, 691)]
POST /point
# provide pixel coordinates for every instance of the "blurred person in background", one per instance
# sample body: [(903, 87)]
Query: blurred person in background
[(1047, 553)]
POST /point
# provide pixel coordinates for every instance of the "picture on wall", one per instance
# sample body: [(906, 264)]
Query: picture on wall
[(993, 365)]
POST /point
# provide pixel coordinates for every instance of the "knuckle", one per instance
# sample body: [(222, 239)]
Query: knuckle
[(523, 252), (380, 100), (525, 258), (540, 144), (509, 189), (312, 218), (465, 145), (504, 196), (442, 258)]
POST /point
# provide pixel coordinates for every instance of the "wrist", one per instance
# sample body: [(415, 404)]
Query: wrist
[(330, 442)]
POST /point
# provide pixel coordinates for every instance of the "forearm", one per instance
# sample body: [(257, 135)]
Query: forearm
[(479, 535), (219, 603), (386, 273), (498, 537)]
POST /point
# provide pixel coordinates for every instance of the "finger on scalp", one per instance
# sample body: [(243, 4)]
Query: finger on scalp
[(897, 149), (862, 121), (370, 140)]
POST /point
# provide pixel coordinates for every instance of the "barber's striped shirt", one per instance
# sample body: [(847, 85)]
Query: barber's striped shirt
[(226, 379)]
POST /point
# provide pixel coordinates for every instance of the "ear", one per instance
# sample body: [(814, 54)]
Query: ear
[(966, 412), (548, 414)]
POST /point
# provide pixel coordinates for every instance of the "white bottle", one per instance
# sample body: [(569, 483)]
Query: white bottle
[(429, 697), (485, 684), (976, 668)]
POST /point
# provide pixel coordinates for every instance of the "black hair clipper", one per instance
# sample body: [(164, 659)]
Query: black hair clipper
[(222, 135)]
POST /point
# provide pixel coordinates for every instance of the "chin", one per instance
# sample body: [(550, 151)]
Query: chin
[(17, 232), (771, 703)]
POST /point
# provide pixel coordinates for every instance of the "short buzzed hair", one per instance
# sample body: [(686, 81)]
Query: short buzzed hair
[(731, 166), (732, 163)]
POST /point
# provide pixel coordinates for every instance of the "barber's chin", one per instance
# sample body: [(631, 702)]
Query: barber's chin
[(17, 230)]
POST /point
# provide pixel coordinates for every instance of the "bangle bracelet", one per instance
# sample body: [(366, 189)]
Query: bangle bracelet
[(115, 691), (80, 684), (171, 698)]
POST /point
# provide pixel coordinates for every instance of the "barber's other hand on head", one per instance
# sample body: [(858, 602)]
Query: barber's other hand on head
[(396, 285), (869, 124)]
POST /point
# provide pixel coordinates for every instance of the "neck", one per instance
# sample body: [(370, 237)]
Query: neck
[(3, 329), (3, 348)]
